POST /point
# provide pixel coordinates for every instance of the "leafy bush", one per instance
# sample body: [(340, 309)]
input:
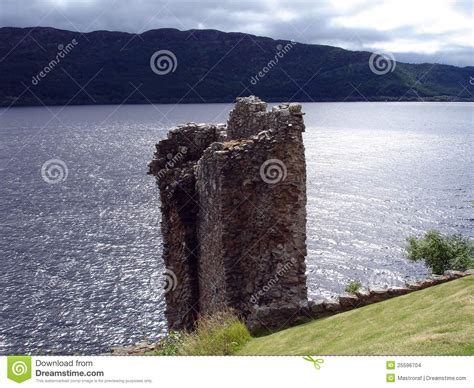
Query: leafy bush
[(220, 334), (169, 346), (441, 252), (353, 286)]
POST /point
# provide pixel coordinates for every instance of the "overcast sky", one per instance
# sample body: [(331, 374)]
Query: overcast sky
[(413, 30)]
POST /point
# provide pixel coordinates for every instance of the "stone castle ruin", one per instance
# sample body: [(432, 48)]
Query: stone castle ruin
[(233, 202)]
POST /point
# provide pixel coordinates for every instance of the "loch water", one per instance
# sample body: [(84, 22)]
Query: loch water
[(81, 257)]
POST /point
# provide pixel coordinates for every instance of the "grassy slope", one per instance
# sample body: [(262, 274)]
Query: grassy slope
[(434, 321)]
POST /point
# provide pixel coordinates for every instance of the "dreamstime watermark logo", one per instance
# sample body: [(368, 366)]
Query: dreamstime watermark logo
[(274, 280), (315, 361), (19, 368), (170, 281), (163, 62), (471, 80), (54, 171), (282, 50), (45, 280), (61, 54), (381, 62), (166, 280), (172, 161), (273, 171)]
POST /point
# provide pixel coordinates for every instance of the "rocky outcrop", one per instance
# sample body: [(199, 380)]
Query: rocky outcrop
[(233, 201)]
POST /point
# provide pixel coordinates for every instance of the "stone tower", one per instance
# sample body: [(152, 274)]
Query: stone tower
[(233, 201)]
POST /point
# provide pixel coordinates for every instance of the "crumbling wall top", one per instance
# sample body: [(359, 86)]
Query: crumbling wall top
[(247, 118)]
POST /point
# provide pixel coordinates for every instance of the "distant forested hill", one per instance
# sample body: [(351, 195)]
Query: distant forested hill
[(209, 66)]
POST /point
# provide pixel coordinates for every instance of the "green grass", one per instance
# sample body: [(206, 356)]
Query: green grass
[(220, 334), (435, 321)]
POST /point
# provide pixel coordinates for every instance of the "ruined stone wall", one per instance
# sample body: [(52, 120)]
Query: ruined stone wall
[(248, 117), (173, 165), (247, 228)]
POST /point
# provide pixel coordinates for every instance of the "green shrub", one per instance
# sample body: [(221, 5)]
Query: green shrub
[(353, 286), (441, 252), (220, 334), (169, 346)]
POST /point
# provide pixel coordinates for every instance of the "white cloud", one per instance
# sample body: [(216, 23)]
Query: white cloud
[(406, 45), (429, 28)]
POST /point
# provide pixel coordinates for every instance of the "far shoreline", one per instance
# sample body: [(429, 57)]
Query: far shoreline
[(273, 101)]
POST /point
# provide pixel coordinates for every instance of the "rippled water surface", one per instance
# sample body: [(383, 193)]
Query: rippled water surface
[(79, 259)]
